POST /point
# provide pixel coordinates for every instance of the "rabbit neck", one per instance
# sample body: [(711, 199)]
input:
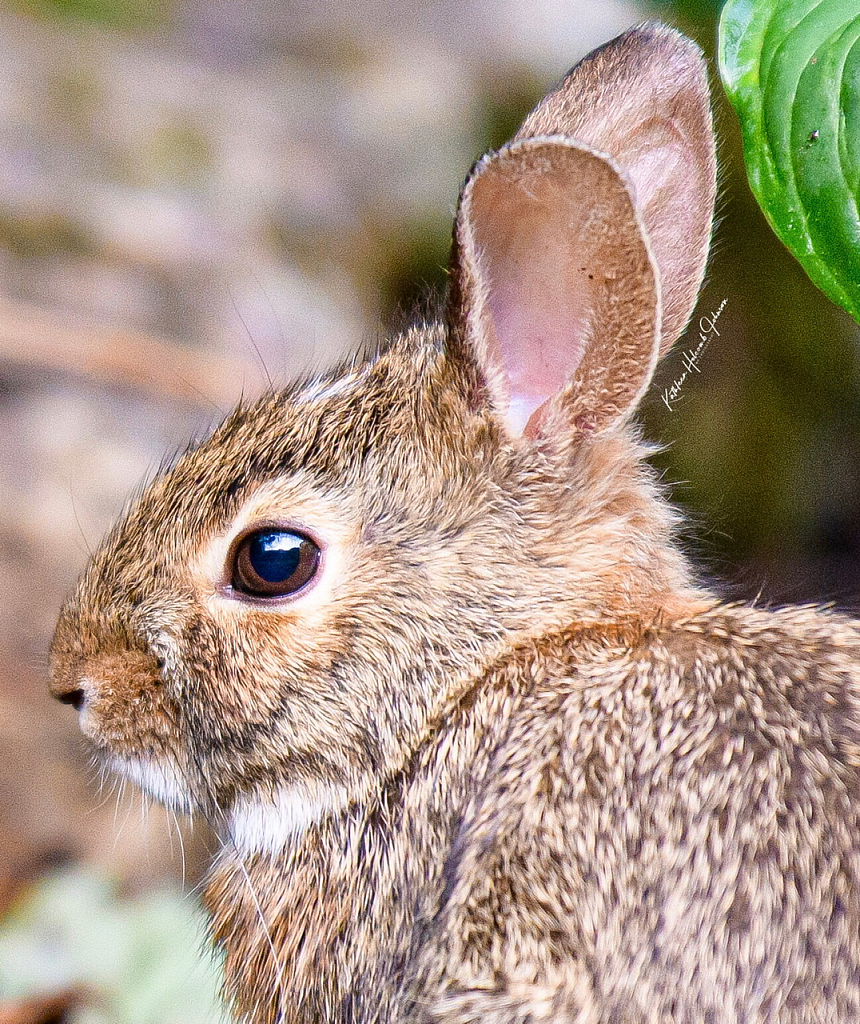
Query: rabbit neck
[(608, 552), (320, 929)]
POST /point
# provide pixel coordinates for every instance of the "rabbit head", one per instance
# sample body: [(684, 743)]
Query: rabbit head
[(294, 600)]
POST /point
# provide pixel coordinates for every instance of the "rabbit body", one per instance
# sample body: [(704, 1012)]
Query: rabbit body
[(493, 754), (649, 823)]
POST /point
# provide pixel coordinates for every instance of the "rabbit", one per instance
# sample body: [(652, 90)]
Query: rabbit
[(418, 639)]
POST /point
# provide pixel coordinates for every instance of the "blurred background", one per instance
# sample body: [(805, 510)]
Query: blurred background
[(199, 195)]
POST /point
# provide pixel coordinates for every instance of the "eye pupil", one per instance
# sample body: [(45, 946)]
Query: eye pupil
[(275, 556), (274, 563)]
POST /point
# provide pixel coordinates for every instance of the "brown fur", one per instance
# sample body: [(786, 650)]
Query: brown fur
[(653, 824), (544, 776)]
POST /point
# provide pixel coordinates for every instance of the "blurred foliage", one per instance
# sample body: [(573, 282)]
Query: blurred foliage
[(414, 269), (118, 14), (415, 266), (139, 959), (41, 236), (504, 103), (704, 12), (179, 154)]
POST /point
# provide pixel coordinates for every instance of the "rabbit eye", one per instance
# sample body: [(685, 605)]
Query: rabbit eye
[(274, 563)]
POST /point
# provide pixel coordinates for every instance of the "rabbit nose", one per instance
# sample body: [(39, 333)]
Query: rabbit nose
[(70, 692), (73, 697)]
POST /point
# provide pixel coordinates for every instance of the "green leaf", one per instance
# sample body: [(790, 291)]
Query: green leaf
[(791, 69)]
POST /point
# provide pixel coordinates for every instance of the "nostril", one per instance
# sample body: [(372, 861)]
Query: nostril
[(73, 697)]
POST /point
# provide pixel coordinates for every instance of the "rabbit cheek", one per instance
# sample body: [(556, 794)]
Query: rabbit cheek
[(254, 692)]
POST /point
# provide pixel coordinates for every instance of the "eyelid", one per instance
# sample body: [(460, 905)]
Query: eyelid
[(330, 518)]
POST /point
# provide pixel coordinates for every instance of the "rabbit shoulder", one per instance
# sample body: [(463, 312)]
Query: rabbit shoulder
[(679, 811)]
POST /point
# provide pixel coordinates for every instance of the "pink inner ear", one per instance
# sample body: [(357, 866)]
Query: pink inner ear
[(561, 295), (539, 264)]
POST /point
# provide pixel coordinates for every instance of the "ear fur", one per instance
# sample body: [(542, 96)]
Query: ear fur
[(581, 245)]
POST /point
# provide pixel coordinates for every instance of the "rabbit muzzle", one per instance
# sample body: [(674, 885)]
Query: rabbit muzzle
[(125, 709)]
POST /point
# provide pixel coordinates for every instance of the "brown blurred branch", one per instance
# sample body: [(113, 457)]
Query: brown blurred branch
[(33, 339)]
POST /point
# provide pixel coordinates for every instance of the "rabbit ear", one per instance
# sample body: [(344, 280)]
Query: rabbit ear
[(557, 290), (580, 247), (643, 100)]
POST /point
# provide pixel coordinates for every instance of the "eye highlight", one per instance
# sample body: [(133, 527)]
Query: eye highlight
[(273, 562)]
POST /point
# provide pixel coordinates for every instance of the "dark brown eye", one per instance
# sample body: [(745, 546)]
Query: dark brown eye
[(274, 563)]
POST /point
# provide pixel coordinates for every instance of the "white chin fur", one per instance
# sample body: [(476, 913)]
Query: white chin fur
[(258, 825), (158, 779)]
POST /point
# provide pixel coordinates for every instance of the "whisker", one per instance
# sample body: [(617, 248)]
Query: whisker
[(145, 809), (253, 343), (170, 824), (129, 808), (119, 790), (279, 978), (89, 550), (172, 814)]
